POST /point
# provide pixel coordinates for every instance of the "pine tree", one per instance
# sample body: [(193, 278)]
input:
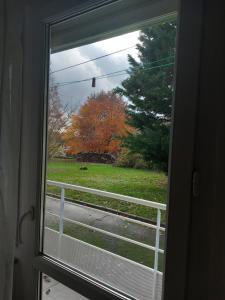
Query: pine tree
[(149, 90)]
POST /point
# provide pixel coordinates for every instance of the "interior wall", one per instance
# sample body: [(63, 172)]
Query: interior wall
[(10, 122)]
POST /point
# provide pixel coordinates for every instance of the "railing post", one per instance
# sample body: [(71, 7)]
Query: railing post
[(156, 259), (61, 212), (61, 221)]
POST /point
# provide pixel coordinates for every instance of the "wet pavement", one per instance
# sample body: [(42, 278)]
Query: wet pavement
[(117, 224)]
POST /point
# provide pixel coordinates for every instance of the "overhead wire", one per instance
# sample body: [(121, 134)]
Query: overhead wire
[(112, 74), (90, 60), (90, 78)]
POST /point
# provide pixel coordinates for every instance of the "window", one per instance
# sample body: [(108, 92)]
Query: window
[(55, 258), (108, 131)]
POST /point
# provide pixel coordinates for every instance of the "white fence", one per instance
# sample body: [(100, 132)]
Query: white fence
[(156, 276)]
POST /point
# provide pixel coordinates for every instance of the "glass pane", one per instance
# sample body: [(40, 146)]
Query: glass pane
[(109, 120), (54, 290)]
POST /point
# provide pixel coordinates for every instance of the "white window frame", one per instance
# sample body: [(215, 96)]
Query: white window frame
[(38, 19)]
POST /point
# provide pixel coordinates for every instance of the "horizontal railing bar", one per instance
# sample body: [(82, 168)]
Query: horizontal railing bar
[(108, 194), (109, 233), (142, 223), (121, 214)]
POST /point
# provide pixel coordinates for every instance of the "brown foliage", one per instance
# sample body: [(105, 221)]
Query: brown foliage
[(98, 126)]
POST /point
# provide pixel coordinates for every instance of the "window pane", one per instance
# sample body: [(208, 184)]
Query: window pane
[(109, 120), (54, 290)]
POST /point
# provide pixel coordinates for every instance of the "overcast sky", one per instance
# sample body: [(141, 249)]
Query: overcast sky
[(76, 94)]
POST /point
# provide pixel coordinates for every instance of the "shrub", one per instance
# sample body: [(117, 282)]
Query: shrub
[(140, 163), (93, 157), (128, 159)]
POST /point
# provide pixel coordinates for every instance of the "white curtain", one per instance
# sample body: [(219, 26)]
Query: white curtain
[(9, 146)]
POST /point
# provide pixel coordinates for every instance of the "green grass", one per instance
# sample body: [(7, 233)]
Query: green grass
[(145, 184)]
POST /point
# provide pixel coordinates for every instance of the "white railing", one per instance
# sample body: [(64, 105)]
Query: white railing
[(158, 228)]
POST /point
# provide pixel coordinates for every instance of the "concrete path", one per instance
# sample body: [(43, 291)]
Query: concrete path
[(103, 220)]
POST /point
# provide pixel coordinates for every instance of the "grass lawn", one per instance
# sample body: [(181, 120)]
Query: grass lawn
[(145, 184)]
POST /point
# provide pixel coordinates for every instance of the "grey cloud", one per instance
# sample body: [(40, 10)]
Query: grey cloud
[(76, 94)]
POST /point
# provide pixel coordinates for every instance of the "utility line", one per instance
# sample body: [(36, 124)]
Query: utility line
[(124, 70), (112, 74), (159, 60), (88, 79), (96, 58), (90, 60)]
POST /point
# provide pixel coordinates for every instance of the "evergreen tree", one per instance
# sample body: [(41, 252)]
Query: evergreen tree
[(149, 90)]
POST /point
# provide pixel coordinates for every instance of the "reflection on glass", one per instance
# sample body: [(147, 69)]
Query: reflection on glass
[(109, 121), (53, 290)]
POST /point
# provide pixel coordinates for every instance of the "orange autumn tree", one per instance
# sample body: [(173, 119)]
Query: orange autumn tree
[(98, 126)]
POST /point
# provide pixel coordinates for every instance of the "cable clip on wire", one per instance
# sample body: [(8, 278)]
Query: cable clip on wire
[(93, 82)]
